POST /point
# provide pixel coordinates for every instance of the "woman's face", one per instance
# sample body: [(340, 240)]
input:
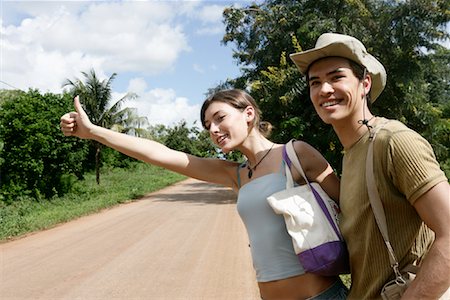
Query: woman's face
[(228, 127)]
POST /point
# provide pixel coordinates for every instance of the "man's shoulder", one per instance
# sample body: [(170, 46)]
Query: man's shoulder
[(391, 125), (395, 129), (396, 135)]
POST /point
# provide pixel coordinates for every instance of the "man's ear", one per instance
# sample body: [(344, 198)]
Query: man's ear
[(367, 84)]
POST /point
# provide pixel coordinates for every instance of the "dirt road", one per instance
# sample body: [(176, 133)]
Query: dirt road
[(183, 242)]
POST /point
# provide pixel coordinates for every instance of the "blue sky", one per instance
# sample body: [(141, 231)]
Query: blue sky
[(168, 52)]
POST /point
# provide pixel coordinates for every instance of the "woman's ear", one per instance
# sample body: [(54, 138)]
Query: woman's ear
[(249, 112)]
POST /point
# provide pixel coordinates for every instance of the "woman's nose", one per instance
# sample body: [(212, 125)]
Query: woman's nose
[(213, 128)]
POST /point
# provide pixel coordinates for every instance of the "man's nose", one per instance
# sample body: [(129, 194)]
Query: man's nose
[(326, 88)]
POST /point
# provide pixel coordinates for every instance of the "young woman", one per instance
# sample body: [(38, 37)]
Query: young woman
[(233, 121)]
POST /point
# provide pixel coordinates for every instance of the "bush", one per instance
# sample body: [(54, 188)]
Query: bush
[(36, 157)]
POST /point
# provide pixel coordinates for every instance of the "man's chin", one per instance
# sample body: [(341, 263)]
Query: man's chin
[(326, 119)]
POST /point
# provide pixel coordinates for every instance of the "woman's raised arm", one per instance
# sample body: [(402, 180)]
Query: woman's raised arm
[(212, 170)]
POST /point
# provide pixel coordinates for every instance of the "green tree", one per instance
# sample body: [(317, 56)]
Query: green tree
[(155, 132), (36, 159), (95, 95), (131, 123), (203, 143), (404, 35), (187, 139), (181, 137)]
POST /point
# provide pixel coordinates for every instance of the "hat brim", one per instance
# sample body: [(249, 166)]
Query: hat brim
[(348, 49)]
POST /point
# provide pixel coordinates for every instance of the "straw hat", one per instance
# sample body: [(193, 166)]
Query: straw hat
[(334, 44)]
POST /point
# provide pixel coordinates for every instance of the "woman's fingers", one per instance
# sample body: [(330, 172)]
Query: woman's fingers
[(68, 123), (79, 108), (76, 123)]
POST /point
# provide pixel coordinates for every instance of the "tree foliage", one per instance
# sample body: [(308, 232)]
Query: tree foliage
[(188, 139), (95, 95), (36, 159), (404, 35)]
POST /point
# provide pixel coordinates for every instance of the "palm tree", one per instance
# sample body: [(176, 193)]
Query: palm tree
[(128, 121), (96, 97)]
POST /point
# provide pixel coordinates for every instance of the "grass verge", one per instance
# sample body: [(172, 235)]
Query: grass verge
[(86, 197)]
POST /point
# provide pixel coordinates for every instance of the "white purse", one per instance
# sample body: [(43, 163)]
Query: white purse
[(311, 218)]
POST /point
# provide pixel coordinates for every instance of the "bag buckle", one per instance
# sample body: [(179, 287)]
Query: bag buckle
[(399, 280)]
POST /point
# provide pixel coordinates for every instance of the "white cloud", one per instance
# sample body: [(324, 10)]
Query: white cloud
[(30, 66), (161, 106), (211, 13), (47, 47), (43, 43), (211, 17), (137, 85)]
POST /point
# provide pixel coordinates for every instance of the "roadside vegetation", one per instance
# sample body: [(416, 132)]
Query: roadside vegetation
[(47, 178), (119, 185)]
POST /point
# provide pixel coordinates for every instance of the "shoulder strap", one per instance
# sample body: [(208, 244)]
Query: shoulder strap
[(290, 156), (375, 201), (293, 159)]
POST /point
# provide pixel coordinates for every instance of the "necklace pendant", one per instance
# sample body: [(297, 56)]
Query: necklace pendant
[(250, 173)]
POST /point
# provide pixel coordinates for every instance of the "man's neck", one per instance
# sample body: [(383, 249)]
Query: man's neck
[(351, 131)]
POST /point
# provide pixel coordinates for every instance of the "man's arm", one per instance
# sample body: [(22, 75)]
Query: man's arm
[(433, 278)]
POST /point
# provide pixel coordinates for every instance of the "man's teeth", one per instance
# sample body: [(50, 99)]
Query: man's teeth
[(329, 103)]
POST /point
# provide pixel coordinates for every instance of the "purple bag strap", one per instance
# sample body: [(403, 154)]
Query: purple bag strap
[(317, 196)]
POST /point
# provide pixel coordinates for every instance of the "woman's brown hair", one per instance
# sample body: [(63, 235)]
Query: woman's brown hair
[(238, 99)]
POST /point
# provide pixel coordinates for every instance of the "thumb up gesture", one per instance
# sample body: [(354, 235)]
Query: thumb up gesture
[(76, 123)]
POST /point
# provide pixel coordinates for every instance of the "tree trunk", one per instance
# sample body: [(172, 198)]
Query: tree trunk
[(97, 163)]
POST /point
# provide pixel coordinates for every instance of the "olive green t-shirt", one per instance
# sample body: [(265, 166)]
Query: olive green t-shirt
[(404, 168)]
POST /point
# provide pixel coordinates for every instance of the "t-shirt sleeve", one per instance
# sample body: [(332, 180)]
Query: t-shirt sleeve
[(412, 164)]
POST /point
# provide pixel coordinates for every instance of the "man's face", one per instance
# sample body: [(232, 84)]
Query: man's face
[(335, 91)]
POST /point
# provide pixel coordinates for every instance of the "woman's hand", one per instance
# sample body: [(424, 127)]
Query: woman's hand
[(76, 123)]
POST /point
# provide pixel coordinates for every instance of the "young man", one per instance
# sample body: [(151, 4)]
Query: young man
[(342, 79)]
